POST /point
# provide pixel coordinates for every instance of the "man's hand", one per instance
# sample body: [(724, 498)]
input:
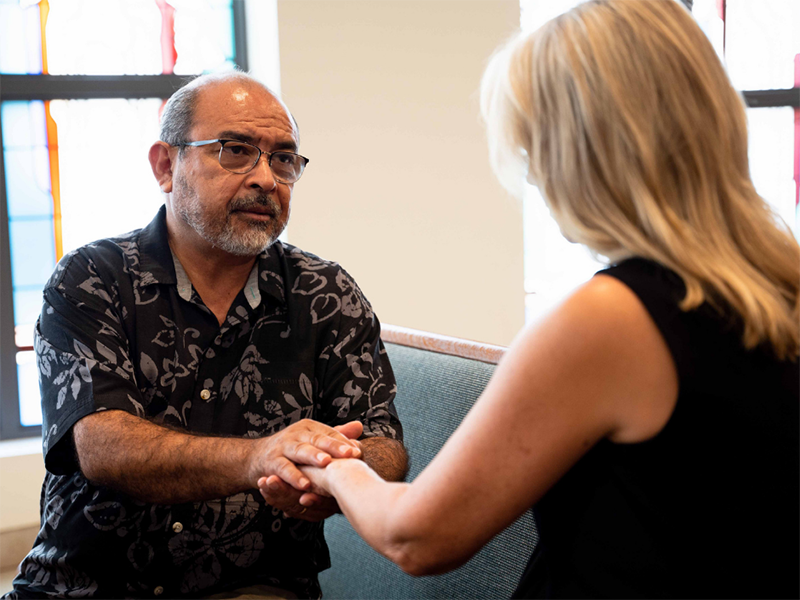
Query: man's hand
[(306, 442), (300, 503)]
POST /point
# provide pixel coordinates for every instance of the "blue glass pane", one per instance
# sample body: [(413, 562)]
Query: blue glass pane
[(23, 124), (20, 38), (28, 183), (27, 163), (30, 400), (27, 306), (33, 254)]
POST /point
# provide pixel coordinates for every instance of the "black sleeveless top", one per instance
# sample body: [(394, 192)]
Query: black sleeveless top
[(708, 507)]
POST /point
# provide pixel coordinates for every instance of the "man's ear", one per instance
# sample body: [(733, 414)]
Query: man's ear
[(161, 163)]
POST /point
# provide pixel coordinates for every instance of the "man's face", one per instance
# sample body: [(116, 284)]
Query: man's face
[(241, 214)]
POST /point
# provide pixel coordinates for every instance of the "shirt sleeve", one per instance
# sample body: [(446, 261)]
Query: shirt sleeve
[(358, 383), (82, 355)]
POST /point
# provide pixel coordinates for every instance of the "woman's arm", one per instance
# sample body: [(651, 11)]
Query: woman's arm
[(597, 368)]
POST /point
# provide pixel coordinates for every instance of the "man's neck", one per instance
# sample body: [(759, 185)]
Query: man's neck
[(216, 276)]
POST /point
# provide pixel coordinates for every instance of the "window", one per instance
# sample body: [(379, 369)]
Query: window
[(759, 43), (82, 85)]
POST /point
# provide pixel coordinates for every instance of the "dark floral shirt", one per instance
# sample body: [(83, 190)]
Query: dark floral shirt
[(122, 328)]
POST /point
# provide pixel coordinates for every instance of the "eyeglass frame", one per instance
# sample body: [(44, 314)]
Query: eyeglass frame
[(269, 155)]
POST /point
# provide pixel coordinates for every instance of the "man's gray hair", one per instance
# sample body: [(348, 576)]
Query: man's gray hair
[(178, 116)]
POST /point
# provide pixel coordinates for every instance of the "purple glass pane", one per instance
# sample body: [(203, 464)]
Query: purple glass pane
[(20, 38)]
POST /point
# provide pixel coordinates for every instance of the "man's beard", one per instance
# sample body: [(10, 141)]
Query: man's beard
[(249, 239)]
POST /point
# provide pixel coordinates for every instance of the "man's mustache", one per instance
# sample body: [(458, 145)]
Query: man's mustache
[(260, 201)]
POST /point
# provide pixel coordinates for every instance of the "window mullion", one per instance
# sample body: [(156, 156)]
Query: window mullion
[(78, 87)]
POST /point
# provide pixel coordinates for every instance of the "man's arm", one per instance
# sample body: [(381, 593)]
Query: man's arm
[(387, 457), (156, 464)]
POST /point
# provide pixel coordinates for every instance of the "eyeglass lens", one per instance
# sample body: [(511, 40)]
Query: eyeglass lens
[(240, 158)]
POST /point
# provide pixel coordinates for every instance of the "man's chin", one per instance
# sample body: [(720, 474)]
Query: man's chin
[(248, 249), (250, 245)]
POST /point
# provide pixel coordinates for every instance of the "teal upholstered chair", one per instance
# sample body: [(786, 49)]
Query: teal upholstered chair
[(438, 378)]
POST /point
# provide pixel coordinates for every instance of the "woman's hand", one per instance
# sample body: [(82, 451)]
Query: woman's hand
[(322, 477)]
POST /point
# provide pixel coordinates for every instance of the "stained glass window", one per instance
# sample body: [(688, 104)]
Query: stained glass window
[(759, 43), (76, 170), (116, 37), (106, 188)]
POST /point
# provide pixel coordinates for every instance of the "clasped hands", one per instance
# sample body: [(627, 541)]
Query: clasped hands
[(305, 443)]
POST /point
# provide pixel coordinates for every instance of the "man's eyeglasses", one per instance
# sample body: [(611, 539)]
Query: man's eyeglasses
[(241, 157)]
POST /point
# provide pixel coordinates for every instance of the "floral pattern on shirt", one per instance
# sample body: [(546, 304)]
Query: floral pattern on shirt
[(300, 341)]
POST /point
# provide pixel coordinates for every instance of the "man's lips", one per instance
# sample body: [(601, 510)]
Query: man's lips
[(258, 212)]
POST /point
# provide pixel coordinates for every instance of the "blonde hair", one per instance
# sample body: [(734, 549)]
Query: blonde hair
[(623, 116)]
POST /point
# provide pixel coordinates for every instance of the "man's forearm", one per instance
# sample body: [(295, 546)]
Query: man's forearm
[(160, 465), (156, 464), (387, 457)]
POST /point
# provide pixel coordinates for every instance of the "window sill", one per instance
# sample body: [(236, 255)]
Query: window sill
[(21, 447)]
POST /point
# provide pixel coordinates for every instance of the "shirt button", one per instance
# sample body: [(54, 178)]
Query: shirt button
[(205, 394), (158, 591), (177, 527)]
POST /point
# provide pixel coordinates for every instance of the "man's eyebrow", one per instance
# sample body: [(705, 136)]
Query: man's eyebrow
[(236, 135), (289, 145)]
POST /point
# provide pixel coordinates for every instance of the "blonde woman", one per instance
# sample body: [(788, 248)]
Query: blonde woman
[(652, 419)]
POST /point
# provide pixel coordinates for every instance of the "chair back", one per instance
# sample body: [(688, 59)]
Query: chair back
[(439, 378)]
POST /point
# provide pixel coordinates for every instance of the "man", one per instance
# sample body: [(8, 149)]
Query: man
[(182, 363)]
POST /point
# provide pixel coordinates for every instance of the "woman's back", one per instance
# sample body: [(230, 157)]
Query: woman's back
[(709, 506)]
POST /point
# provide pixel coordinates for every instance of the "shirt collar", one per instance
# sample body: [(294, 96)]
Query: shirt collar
[(156, 258), (251, 291)]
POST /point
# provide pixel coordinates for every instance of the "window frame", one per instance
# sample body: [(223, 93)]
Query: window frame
[(68, 87)]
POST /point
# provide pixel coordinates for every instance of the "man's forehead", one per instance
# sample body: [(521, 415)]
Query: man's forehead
[(244, 103)]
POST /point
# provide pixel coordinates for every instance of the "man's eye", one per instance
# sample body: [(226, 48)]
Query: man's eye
[(283, 158), (236, 149)]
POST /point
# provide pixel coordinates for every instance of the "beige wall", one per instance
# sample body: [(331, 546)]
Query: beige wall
[(21, 477), (399, 190)]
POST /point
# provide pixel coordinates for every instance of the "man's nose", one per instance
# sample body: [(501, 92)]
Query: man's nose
[(261, 175)]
